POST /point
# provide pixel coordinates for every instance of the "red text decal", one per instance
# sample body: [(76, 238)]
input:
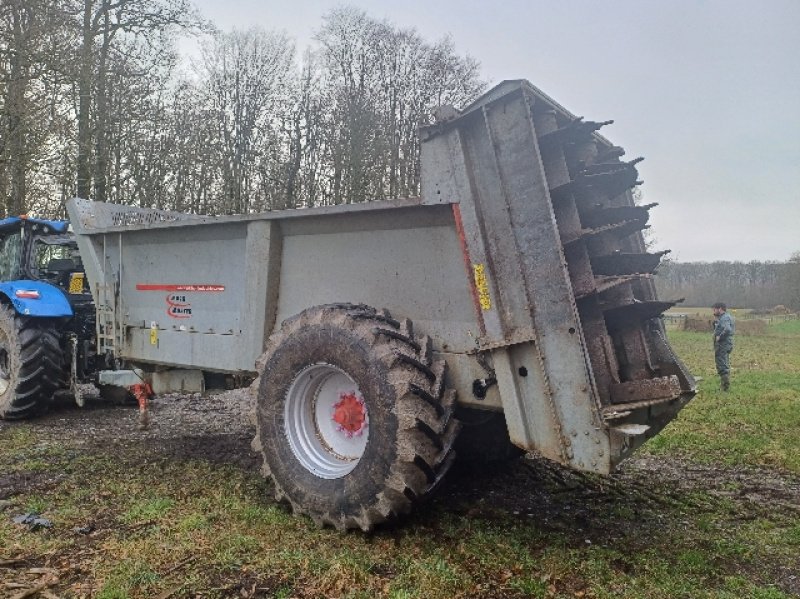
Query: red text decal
[(207, 288)]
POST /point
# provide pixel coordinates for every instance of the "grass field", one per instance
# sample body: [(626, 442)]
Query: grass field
[(757, 422), (708, 509)]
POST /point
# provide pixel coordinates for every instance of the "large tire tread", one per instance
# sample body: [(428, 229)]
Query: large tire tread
[(424, 410), (34, 359)]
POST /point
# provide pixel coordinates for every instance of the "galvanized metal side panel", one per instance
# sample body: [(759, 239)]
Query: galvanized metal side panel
[(446, 178), (530, 414), (192, 296), (207, 294), (410, 264), (262, 266)]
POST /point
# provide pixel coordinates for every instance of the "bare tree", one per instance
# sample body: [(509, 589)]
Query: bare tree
[(192, 156), (247, 78), (304, 131), (137, 133), (103, 23), (381, 84), (30, 45)]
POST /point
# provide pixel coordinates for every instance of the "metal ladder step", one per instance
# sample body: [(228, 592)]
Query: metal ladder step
[(105, 319)]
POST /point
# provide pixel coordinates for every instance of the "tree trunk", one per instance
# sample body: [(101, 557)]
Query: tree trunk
[(84, 104), (101, 118), (16, 117)]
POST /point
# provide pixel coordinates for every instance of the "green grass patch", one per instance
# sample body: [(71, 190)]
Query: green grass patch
[(756, 422), (788, 328), (155, 508)]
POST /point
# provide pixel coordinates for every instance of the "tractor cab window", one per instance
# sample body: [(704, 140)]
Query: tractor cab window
[(54, 258), (10, 248)]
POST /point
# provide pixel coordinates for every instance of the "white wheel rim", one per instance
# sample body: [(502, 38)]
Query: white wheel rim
[(326, 421)]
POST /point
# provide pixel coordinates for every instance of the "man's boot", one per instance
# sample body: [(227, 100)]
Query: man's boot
[(726, 381)]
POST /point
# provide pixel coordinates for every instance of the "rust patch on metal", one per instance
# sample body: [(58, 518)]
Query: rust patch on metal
[(665, 387)]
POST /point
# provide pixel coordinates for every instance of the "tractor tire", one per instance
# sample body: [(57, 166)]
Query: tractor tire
[(354, 423), (30, 364)]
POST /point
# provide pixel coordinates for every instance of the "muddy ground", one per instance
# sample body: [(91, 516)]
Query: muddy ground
[(217, 428)]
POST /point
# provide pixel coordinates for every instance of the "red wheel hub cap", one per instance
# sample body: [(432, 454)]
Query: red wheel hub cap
[(350, 414)]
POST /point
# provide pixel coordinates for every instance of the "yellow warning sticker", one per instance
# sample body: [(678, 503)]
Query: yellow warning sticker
[(76, 282), (482, 286), (153, 334)]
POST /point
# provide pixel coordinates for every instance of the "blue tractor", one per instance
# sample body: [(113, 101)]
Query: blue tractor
[(47, 316)]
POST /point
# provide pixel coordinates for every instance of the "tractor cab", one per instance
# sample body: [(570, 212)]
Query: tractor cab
[(42, 250)]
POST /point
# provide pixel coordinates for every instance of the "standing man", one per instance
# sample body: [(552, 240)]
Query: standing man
[(724, 329)]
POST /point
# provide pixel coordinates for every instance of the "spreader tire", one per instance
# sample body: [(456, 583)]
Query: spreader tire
[(30, 364), (354, 423)]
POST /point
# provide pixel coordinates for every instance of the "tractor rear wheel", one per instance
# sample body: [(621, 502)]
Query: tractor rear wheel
[(30, 364), (354, 423)]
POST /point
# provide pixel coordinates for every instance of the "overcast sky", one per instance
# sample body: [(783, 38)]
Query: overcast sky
[(707, 91)]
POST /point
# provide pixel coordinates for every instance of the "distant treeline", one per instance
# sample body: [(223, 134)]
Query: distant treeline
[(738, 284)]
